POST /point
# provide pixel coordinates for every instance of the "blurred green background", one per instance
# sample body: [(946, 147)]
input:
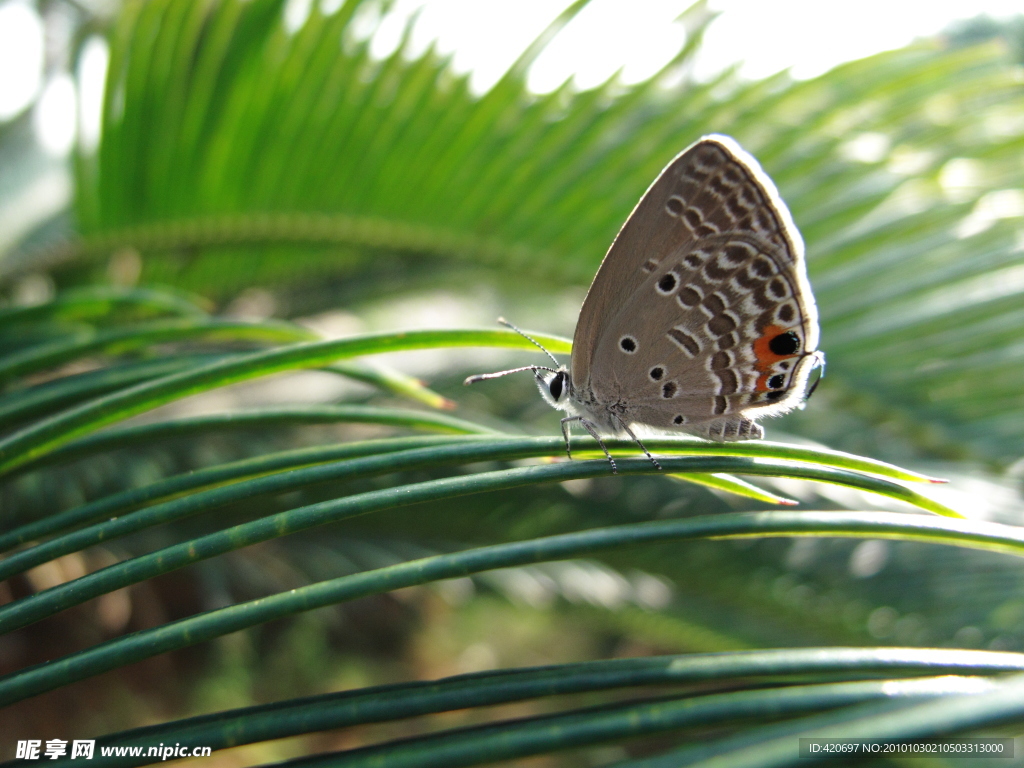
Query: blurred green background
[(279, 161)]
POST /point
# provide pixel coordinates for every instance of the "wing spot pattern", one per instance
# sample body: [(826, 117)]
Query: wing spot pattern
[(667, 283), (695, 259), (778, 289), (720, 361), (737, 254), (785, 314), (785, 344), (728, 381), (744, 281), (722, 324), (763, 267), (715, 304), (762, 299), (685, 341), (688, 297), (734, 205), (733, 176)]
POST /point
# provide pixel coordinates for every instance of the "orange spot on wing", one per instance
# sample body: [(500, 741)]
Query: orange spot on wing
[(765, 357)]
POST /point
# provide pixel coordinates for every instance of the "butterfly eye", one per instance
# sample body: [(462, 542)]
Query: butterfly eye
[(555, 387)]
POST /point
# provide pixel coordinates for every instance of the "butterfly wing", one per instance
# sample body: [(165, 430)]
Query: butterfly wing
[(701, 311)]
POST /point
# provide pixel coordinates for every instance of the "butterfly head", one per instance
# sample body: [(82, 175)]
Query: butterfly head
[(554, 386)]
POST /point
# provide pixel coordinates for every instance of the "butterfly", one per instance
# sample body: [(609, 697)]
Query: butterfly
[(700, 318)]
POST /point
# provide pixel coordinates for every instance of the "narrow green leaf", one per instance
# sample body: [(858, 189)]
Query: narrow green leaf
[(391, 380), (97, 302), (36, 440), (51, 396), (734, 485), (293, 470), (119, 341), (392, 702), (287, 416), (184, 632), (992, 704), (530, 736), (30, 609)]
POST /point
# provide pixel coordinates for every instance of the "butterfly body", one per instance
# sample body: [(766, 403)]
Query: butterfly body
[(701, 318)]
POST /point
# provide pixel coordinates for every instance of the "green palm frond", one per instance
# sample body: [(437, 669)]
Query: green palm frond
[(106, 520), (270, 156), (238, 152)]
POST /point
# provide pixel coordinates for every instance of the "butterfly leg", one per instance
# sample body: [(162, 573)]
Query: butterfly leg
[(589, 426), (565, 433), (636, 440)]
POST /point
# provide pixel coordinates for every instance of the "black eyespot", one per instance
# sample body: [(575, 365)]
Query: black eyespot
[(773, 396), (678, 420), (628, 344), (777, 381), (657, 372), (668, 389), (674, 206), (667, 283), (785, 344), (555, 387)]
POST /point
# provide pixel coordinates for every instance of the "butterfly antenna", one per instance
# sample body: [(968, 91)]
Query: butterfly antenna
[(532, 340), (534, 368), (485, 376)]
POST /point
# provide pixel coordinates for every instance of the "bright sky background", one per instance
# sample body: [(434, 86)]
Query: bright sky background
[(637, 36), (811, 36)]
